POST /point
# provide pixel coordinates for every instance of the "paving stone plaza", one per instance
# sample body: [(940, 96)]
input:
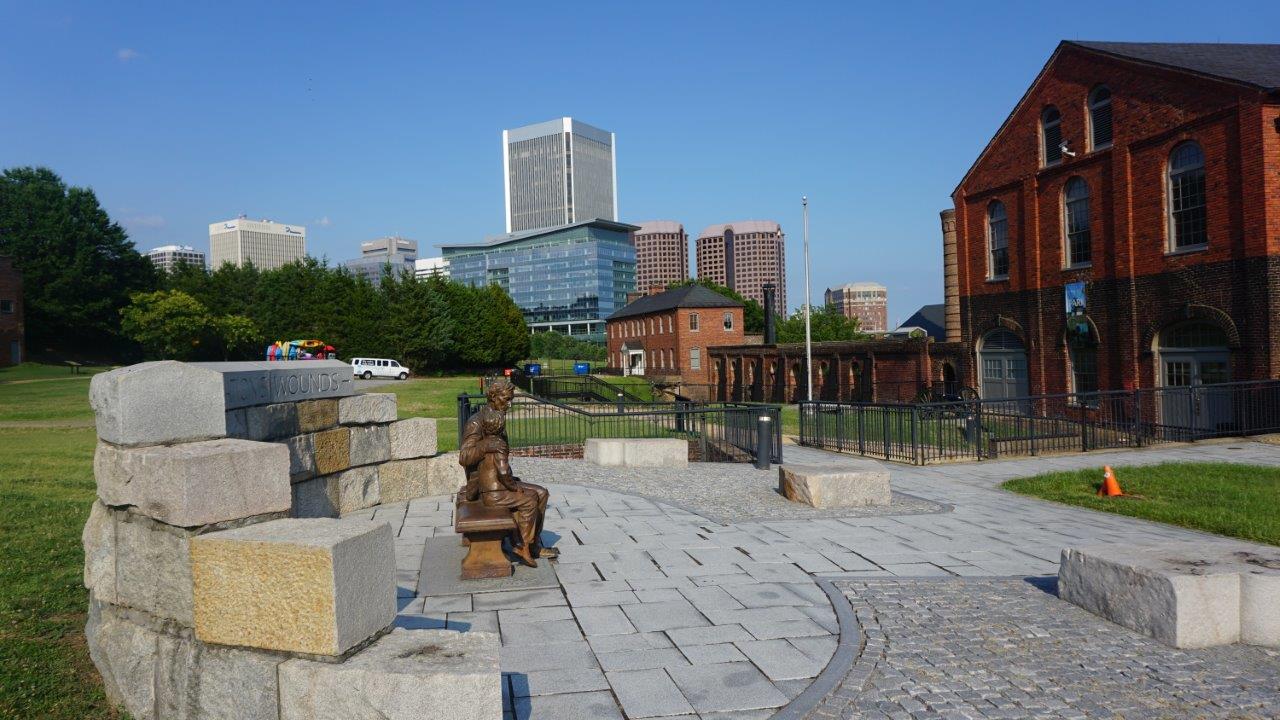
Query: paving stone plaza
[(674, 599)]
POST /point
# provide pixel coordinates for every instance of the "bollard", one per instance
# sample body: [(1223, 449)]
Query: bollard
[(764, 442), (621, 407)]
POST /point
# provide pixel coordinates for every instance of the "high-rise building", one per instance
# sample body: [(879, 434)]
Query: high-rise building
[(264, 243), (167, 257), (662, 254), (431, 267), (866, 301), (557, 173), (375, 255), (744, 256), (567, 279)]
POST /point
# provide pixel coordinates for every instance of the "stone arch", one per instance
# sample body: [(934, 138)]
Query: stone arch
[(997, 322), (1191, 311)]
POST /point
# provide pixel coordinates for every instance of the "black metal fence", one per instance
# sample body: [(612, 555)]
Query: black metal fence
[(724, 432), (1075, 422)]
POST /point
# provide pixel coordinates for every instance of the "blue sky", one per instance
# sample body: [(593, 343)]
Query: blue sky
[(365, 119)]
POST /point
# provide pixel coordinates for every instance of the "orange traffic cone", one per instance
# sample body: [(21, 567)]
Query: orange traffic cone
[(1109, 487)]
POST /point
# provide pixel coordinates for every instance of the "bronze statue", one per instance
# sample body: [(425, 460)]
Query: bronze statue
[(486, 456)]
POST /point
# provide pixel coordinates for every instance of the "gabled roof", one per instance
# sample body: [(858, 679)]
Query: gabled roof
[(689, 296), (1226, 62), (929, 318), (1256, 64)]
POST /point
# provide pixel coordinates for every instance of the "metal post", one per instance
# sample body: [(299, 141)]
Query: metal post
[(915, 435), (621, 408), (862, 438), (464, 414), (764, 442), (808, 338), (1137, 417)]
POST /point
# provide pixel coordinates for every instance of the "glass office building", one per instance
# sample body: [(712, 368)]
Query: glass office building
[(567, 279)]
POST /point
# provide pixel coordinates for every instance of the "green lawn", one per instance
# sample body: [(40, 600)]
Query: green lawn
[(434, 397), (1228, 499)]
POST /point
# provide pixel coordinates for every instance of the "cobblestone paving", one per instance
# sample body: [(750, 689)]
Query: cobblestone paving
[(1001, 648), (666, 612)]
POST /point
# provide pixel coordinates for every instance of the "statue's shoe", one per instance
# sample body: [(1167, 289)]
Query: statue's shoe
[(522, 554), (549, 553)]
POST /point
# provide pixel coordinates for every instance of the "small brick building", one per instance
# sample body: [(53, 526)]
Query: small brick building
[(12, 329), (667, 334), (1122, 227)]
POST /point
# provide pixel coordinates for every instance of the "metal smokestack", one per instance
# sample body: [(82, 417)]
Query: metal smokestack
[(770, 331)]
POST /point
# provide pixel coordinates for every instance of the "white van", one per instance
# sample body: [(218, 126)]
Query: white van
[(378, 367)]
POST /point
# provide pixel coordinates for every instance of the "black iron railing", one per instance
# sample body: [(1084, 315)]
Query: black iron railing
[(723, 432), (980, 429)]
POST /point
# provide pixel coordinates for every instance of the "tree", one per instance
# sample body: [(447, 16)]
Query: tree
[(172, 325), (752, 312), (827, 324), (558, 346), (79, 268)]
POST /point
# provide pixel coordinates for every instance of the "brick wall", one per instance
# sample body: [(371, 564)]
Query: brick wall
[(668, 352), (1134, 286), (11, 313)]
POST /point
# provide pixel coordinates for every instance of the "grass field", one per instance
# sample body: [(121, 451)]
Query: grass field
[(1223, 498), (46, 489)]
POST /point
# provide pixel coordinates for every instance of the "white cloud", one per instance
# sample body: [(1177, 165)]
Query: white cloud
[(324, 221), (143, 221), (124, 55)]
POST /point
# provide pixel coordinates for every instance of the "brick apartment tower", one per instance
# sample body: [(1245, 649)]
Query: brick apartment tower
[(744, 256), (12, 328), (662, 254), (866, 301), (1122, 227)]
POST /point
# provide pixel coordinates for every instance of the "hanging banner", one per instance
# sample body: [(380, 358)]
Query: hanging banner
[(1077, 320)]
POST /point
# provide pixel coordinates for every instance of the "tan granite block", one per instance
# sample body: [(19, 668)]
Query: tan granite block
[(316, 415), (316, 586), (333, 451), (401, 480)]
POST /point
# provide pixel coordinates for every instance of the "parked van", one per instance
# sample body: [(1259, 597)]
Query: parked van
[(378, 367)]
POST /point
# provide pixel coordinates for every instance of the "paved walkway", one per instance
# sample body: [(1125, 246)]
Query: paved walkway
[(664, 612)]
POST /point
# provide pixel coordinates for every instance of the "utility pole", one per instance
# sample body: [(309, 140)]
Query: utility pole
[(808, 335)]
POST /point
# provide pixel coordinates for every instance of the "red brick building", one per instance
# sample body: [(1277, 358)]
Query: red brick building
[(1122, 227), (11, 325), (667, 334)]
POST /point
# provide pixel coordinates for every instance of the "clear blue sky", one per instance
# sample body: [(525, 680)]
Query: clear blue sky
[(365, 119)]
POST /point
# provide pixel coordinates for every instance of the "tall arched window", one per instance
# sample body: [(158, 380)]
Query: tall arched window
[(1100, 117), (1051, 133), (1187, 227), (1075, 222), (997, 241)]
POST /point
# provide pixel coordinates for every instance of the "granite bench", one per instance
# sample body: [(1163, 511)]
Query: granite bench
[(482, 529)]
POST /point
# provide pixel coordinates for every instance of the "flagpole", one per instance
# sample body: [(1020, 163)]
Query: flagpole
[(808, 336)]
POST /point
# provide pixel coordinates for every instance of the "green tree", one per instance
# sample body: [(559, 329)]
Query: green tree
[(558, 346), (826, 324), (168, 324), (752, 312), (79, 268)]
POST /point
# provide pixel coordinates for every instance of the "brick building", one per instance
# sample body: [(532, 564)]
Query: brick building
[(1122, 227), (866, 301), (11, 314), (668, 334), (662, 254), (745, 256)]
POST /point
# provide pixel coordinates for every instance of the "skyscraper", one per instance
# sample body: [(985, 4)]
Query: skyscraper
[(375, 254), (867, 301), (167, 257), (662, 254), (265, 243), (743, 256), (557, 173)]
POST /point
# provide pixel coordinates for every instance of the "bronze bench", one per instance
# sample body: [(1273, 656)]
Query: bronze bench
[(482, 529)]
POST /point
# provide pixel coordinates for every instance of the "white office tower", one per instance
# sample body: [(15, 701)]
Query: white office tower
[(167, 257), (558, 172), (265, 243), (430, 267)]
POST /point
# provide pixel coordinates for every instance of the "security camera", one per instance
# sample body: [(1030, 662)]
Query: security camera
[(1062, 147)]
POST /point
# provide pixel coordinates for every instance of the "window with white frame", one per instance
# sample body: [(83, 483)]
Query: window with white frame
[(693, 321), (695, 358), (1187, 221), (1075, 221), (1100, 117), (997, 241), (728, 321)]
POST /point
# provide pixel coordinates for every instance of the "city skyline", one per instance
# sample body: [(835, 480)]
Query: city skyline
[(807, 118)]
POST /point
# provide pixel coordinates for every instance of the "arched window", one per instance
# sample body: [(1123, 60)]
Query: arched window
[(997, 241), (1187, 197), (1100, 117), (1075, 222), (1051, 133)]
